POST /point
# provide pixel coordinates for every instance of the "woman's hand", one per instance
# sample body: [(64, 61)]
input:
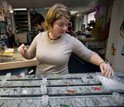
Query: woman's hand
[(22, 49), (106, 69)]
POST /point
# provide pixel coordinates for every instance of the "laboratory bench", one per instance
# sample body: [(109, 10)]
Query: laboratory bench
[(68, 90), (15, 62), (20, 64)]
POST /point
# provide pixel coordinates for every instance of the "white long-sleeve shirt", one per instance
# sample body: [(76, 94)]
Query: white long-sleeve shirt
[(53, 55)]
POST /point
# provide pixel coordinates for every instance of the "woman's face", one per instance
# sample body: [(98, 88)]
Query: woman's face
[(60, 27)]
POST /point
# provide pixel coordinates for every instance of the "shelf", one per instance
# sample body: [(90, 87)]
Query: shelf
[(21, 20)]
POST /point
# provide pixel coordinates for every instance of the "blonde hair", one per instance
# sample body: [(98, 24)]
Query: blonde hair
[(55, 13)]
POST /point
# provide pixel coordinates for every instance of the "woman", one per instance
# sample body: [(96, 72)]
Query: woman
[(53, 47)]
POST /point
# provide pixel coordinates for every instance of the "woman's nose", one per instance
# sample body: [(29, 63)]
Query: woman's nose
[(65, 27)]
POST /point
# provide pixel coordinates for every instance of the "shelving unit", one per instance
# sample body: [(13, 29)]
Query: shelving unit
[(21, 20), (96, 45), (2, 12)]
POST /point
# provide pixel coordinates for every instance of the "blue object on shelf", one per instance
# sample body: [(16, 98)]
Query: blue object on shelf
[(88, 35)]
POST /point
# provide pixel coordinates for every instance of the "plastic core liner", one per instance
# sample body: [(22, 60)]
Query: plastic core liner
[(110, 84)]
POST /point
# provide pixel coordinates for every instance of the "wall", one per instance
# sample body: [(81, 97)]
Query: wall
[(85, 20), (109, 13), (42, 11), (117, 61), (78, 23), (21, 37)]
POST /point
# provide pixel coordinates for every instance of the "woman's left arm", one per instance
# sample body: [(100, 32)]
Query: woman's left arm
[(105, 68)]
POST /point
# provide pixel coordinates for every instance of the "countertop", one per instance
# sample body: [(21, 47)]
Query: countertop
[(83, 39), (15, 61)]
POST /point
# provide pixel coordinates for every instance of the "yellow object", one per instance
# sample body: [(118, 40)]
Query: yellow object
[(8, 52), (57, 75)]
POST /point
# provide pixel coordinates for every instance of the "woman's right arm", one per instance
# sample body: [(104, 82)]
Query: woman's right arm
[(24, 51)]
